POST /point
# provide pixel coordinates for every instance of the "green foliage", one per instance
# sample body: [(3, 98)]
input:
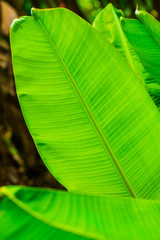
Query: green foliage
[(108, 22), (144, 36), (138, 41), (91, 114), (94, 124), (29, 213)]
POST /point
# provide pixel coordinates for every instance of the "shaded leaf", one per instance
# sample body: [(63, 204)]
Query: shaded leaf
[(29, 213), (144, 38), (108, 22)]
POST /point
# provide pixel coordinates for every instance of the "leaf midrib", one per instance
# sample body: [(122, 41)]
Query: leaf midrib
[(86, 108)]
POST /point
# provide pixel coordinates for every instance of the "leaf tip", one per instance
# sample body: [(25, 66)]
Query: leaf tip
[(17, 23), (137, 12), (122, 21), (33, 10), (110, 5)]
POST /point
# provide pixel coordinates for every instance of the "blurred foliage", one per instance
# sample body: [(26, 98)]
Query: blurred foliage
[(20, 162), (88, 9)]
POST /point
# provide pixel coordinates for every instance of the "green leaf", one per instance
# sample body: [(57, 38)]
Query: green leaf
[(30, 213), (93, 122), (144, 37), (151, 24), (108, 22)]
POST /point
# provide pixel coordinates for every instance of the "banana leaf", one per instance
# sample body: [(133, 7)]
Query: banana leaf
[(144, 36), (135, 43), (93, 122), (32, 213), (108, 22)]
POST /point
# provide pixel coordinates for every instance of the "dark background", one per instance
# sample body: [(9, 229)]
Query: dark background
[(19, 161)]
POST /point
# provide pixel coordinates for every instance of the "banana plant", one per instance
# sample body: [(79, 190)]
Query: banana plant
[(95, 127)]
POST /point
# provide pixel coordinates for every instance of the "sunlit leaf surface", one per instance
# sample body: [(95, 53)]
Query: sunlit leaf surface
[(92, 120)]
